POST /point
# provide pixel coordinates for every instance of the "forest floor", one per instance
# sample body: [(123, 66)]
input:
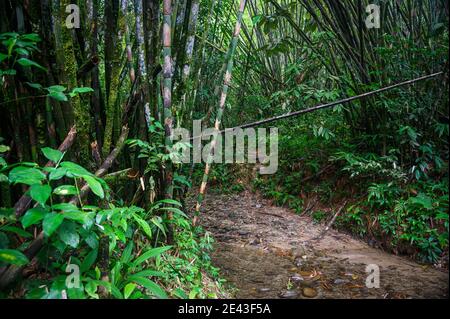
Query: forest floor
[(265, 251)]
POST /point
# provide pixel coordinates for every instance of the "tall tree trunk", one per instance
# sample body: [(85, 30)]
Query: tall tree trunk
[(186, 83), (113, 50), (96, 101), (76, 111)]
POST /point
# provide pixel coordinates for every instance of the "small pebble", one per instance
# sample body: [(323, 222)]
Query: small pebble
[(309, 292), (298, 262), (340, 281)]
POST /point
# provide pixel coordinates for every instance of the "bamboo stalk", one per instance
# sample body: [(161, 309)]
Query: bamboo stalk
[(327, 105), (167, 91), (220, 111)]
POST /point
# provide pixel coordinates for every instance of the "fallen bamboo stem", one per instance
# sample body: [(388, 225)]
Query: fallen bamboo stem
[(322, 234), (25, 201), (105, 166), (325, 106)]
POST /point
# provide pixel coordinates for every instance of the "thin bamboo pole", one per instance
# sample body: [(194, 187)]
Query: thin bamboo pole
[(223, 98)]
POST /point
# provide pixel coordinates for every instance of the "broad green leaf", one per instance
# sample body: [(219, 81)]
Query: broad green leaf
[(95, 185), (92, 240), (8, 72), (34, 85), (40, 193), (33, 216), (10, 43), (4, 148), (27, 62), (169, 201), (144, 225), (67, 207), (180, 294), (12, 256), (53, 155), (51, 223), (26, 175), (17, 230), (64, 190), (76, 293), (68, 234), (77, 216), (58, 173), (76, 91), (89, 260), (423, 200), (58, 96), (155, 220), (151, 286), (34, 37), (75, 169), (128, 290), (91, 289), (150, 253), (56, 88), (126, 254), (174, 210), (116, 292)]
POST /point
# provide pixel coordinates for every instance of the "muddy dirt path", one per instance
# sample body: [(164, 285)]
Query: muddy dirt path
[(261, 251)]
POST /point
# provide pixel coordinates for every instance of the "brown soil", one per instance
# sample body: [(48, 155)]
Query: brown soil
[(267, 252)]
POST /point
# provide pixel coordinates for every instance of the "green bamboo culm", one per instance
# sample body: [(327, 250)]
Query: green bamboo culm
[(189, 53), (167, 92), (220, 111)]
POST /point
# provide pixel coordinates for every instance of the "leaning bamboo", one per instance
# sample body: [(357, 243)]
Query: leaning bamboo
[(24, 202), (223, 98)]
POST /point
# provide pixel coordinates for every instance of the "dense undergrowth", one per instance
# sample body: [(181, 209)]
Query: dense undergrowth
[(403, 215), (100, 242)]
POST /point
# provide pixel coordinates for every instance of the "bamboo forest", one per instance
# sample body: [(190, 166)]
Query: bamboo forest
[(224, 149)]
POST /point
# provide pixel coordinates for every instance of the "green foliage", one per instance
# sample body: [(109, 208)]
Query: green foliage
[(16, 50), (319, 216), (19, 47), (416, 216), (139, 264), (12, 256)]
